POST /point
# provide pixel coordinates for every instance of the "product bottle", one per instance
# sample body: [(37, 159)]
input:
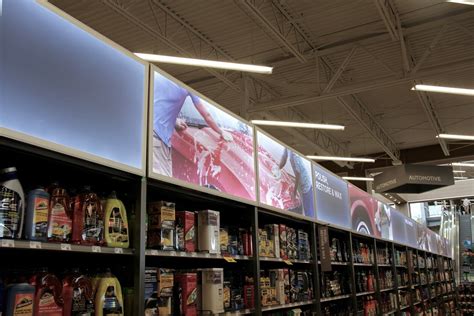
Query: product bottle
[(116, 223), (48, 299), (77, 294), (88, 219), (19, 299), (60, 216), (37, 212), (108, 299), (12, 204)]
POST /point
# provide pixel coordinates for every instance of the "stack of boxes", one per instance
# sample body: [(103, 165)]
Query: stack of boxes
[(285, 286), (281, 241), (187, 231)]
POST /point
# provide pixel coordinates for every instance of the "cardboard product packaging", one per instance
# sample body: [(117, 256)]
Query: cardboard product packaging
[(283, 242), (165, 283), (303, 245), (264, 248), (165, 306), (208, 231), (249, 296), (274, 237), (233, 247), (246, 240), (161, 225), (186, 288), (224, 240), (292, 243), (212, 290), (286, 275), (280, 287), (186, 231), (227, 294), (151, 282)]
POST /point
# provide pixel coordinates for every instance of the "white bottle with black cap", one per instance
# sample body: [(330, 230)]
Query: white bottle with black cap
[(12, 204)]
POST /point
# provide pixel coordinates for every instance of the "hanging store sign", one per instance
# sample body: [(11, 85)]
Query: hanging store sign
[(411, 178)]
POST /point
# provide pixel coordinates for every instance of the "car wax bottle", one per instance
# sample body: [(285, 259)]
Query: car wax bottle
[(116, 223), (88, 219), (37, 212), (77, 295), (19, 299), (48, 298), (108, 298), (60, 216), (12, 204)]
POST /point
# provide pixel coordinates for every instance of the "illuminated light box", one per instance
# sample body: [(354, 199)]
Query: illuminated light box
[(332, 198), (363, 209), (63, 87), (284, 176), (398, 224), (199, 143)]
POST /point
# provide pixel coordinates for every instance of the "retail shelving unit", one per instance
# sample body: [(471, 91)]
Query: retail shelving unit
[(395, 270)]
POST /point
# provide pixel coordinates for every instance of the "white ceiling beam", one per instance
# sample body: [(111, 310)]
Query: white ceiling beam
[(430, 48), (284, 33), (361, 114), (339, 71), (452, 67)]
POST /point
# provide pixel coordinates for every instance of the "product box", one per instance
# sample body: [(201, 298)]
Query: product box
[(165, 283), (151, 282), (286, 278), (224, 240), (186, 284), (263, 241), (292, 243), (212, 290), (274, 237), (165, 306), (161, 225), (281, 297), (186, 231), (227, 295), (283, 242), (233, 246), (249, 296), (246, 241), (303, 245), (208, 231), (236, 298)]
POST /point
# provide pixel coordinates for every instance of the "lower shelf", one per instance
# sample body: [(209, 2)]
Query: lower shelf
[(291, 305), (239, 312), (335, 298)]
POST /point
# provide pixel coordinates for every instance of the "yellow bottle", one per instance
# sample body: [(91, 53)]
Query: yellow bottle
[(108, 299), (116, 223)]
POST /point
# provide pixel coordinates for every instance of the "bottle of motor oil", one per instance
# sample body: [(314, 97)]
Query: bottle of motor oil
[(37, 213), (116, 223), (60, 216), (88, 219), (20, 299), (77, 295), (12, 204), (108, 299), (48, 299)]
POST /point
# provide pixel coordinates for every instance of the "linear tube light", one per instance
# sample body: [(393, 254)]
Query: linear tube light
[(358, 179), (205, 63), (468, 2), (454, 136), (459, 171), (462, 164), (460, 178), (298, 124), (352, 159), (441, 89)]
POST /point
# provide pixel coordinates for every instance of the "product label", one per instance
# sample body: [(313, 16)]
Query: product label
[(23, 305), (9, 212), (192, 297), (118, 229), (40, 219), (167, 214), (61, 225), (80, 305), (93, 223), (47, 306)]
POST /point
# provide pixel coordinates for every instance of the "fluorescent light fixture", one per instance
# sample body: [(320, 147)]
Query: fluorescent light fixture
[(358, 179), (298, 124), (454, 136), (459, 171), (334, 158), (468, 2), (462, 164), (441, 89), (205, 63), (460, 178)]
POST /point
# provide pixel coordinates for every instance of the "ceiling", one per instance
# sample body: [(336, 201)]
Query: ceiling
[(335, 61)]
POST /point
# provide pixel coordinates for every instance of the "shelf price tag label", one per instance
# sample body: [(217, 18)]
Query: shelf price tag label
[(154, 252), (173, 253), (96, 249), (8, 243), (193, 254), (118, 250), (182, 254), (65, 247), (35, 245), (229, 259), (288, 262)]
